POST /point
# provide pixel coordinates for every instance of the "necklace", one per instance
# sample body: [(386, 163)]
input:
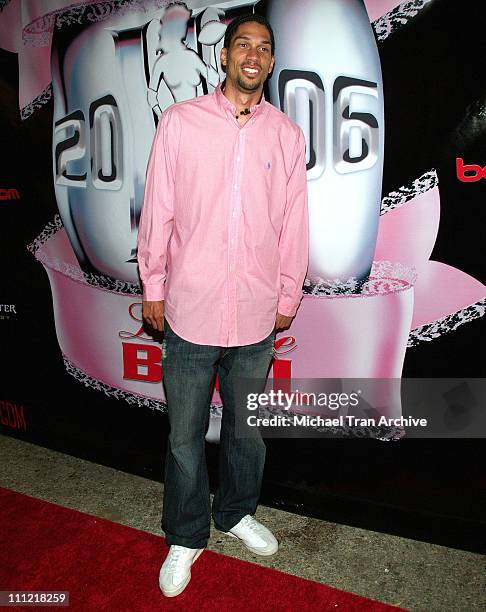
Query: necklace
[(246, 111), (243, 112)]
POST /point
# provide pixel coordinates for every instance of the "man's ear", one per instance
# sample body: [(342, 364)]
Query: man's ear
[(272, 65), (223, 56)]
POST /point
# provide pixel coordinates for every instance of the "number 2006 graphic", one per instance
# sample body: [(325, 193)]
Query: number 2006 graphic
[(354, 133), (105, 86)]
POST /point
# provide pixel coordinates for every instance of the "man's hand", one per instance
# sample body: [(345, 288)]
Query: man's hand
[(282, 322), (153, 313)]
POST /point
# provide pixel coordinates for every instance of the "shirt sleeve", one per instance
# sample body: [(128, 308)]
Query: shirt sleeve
[(157, 216), (294, 237)]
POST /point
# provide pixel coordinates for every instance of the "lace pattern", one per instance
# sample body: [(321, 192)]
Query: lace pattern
[(385, 277), (37, 102), (38, 33), (430, 331), (397, 17), (395, 199), (120, 394), (49, 230), (75, 272), (216, 410)]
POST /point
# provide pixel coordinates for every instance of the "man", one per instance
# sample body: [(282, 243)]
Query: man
[(223, 253)]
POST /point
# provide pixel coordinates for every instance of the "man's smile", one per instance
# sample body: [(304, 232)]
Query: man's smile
[(251, 70)]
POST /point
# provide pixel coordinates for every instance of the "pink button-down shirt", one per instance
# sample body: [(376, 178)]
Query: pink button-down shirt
[(223, 234)]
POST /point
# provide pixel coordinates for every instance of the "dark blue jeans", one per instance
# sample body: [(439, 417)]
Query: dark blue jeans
[(189, 371)]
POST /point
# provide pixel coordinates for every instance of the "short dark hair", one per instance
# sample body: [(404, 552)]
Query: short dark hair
[(233, 26)]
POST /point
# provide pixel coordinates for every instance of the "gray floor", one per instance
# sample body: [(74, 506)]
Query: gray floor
[(397, 571)]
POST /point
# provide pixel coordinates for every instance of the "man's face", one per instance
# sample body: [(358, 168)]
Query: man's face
[(248, 59)]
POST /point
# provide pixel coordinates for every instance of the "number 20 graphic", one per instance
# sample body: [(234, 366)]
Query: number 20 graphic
[(105, 146)]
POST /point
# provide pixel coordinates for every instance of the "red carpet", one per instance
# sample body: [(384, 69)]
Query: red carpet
[(107, 566)]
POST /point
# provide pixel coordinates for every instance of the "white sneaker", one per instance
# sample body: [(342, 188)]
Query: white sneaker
[(255, 536), (175, 572)]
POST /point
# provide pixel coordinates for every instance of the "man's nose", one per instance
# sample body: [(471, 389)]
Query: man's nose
[(252, 54)]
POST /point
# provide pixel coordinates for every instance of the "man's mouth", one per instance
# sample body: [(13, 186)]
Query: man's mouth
[(250, 70)]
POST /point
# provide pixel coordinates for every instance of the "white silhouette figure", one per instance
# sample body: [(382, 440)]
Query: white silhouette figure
[(177, 67)]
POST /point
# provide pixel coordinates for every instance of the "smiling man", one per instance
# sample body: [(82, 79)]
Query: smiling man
[(223, 253)]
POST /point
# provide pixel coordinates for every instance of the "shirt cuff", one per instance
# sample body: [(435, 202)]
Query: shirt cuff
[(287, 306), (153, 293)]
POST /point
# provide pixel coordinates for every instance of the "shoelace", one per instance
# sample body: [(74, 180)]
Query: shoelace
[(250, 522), (175, 553)]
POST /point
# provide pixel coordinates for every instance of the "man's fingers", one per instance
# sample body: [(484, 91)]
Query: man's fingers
[(282, 322), (156, 323), (153, 314)]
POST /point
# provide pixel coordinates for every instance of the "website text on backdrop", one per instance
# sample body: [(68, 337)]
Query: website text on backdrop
[(223, 253)]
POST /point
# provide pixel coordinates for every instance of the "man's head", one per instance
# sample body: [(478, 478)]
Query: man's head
[(248, 53)]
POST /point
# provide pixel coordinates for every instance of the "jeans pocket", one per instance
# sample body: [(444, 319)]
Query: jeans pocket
[(167, 329)]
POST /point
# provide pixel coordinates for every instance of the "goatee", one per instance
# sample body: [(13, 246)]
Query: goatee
[(253, 86)]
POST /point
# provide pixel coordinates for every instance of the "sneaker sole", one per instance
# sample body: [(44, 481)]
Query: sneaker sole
[(257, 551), (184, 584)]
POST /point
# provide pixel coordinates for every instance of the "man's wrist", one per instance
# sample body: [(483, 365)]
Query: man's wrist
[(286, 309), (153, 293)]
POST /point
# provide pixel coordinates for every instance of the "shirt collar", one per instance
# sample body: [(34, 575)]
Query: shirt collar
[(224, 104)]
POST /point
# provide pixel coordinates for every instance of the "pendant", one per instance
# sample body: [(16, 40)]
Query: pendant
[(243, 112)]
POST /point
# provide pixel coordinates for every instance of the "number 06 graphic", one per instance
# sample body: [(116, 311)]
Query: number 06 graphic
[(327, 78)]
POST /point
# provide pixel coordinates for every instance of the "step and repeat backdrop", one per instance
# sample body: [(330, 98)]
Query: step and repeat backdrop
[(391, 98)]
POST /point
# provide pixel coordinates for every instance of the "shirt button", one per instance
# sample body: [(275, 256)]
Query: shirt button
[(238, 158), (236, 186), (234, 213)]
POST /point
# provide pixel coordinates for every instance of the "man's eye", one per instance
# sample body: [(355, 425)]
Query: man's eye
[(264, 49), (242, 44)]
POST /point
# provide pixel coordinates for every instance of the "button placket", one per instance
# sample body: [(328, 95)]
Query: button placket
[(230, 294), (233, 243)]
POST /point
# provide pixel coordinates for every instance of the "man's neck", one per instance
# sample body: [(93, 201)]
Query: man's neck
[(240, 98)]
